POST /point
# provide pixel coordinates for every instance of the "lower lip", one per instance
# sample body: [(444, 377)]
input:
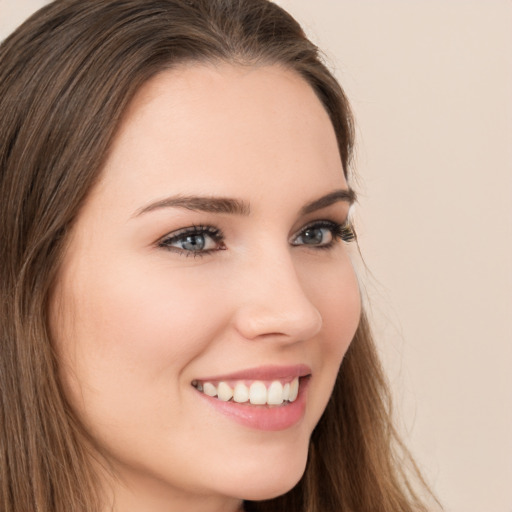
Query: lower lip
[(264, 417)]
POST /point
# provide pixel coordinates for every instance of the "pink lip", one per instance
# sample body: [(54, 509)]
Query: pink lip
[(263, 373), (263, 417)]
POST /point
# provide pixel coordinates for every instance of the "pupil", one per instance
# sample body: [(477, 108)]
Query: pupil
[(194, 243), (313, 236)]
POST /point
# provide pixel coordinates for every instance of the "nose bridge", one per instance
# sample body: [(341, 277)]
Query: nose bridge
[(272, 299)]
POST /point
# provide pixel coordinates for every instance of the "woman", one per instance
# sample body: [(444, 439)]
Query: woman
[(177, 289)]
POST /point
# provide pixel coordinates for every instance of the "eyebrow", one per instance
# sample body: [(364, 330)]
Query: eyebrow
[(202, 204), (225, 205), (344, 195)]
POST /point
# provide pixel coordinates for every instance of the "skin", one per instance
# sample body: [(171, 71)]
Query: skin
[(135, 323)]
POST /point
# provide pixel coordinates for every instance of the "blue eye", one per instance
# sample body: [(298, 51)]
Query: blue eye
[(315, 236), (194, 241), (202, 240), (324, 234)]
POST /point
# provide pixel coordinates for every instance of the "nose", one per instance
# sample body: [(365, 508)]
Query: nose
[(272, 302)]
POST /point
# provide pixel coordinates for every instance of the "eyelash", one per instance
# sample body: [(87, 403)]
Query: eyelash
[(214, 233), (344, 232)]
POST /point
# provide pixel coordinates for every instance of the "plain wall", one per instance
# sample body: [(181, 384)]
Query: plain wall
[(430, 82)]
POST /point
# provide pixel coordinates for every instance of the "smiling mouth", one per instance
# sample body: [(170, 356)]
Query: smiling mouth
[(257, 392)]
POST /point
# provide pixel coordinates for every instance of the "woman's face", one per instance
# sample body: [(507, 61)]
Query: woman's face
[(209, 259)]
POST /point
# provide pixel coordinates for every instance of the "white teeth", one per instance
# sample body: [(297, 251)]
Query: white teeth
[(224, 392), (286, 391), (275, 393), (241, 393), (294, 390), (256, 394), (209, 389)]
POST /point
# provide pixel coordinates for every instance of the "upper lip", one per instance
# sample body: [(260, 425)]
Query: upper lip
[(270, 372)]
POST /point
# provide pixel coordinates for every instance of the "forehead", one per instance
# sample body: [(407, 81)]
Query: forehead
[(220, 87), (224, 129)]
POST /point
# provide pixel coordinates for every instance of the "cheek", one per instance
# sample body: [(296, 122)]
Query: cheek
[(336, 295), (126, 334), (132, 313)]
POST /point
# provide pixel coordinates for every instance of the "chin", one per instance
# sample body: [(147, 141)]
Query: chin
[(270, 490), (277, 476)]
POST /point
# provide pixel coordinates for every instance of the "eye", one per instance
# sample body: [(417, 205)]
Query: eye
[(324, 234), (194, 241)]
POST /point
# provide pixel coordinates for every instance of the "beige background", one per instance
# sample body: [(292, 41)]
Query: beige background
[(431, 85)]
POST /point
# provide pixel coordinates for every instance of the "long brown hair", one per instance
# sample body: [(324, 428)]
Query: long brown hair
[(66, 77)]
